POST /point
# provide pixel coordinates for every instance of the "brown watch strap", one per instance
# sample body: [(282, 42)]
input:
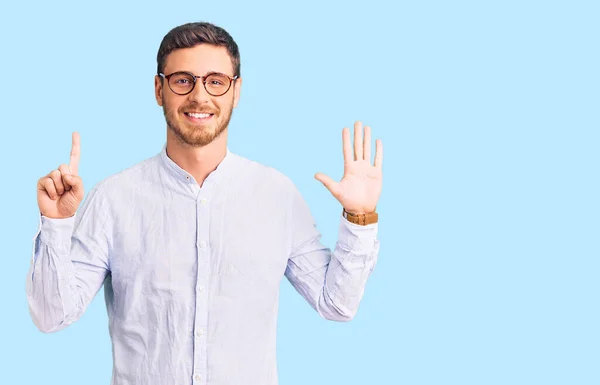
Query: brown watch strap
[(361, 219)]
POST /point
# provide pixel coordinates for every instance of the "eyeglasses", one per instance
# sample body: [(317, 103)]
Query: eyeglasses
[(182, 83)]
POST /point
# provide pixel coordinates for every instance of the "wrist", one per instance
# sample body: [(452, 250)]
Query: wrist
[(361, 218)]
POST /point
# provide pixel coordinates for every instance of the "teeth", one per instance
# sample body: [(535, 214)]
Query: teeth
[(198, 116)]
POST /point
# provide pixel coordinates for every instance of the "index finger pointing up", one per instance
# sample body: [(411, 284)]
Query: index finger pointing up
[(74, 161)]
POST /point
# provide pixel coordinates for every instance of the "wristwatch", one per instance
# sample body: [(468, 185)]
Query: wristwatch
[(361, 219)]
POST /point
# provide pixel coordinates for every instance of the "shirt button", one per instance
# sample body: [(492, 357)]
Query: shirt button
[(200, 333), (198, 378), (203, 201), (200, 289), (202, 244)]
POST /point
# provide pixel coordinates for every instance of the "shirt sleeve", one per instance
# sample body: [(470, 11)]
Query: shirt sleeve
[(68, 265), (333, 283)]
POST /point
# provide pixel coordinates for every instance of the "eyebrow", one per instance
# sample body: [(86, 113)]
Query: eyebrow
[(207, 73)]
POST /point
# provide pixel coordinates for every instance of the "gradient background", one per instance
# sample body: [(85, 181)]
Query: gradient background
[(488, 111)]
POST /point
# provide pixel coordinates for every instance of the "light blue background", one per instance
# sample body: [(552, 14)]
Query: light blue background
[(488, 111)]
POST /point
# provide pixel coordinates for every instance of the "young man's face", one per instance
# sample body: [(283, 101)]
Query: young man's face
[(186, 114)]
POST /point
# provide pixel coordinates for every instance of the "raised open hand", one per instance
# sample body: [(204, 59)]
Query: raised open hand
[(61, 191), (360, 187)]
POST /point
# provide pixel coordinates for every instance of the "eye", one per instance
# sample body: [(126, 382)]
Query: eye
[(181, 80), (217, 80)]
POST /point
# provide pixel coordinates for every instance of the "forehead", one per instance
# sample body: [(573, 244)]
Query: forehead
[(199, 60)]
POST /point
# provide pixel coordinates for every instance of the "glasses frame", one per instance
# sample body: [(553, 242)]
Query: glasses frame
[(202, 78)]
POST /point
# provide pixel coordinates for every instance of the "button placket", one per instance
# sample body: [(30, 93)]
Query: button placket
[(202, 280)]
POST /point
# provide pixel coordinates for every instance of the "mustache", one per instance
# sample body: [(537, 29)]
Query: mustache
[(197, 108)]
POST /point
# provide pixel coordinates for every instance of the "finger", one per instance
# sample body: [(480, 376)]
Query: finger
[(367, 144), (378, 153), (329, 183), (358, 143), (65, 171), (76, 185), (47, 184), (347, 145), (74, 160), (56, 178)]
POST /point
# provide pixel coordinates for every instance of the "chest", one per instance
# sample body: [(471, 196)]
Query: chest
[(171, 247)]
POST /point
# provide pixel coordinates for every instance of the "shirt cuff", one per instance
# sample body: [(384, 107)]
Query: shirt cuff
[(356, 237), (54, 231)]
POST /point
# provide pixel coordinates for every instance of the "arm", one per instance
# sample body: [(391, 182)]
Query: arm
[(332, 283), (70, 252), (68, 266)]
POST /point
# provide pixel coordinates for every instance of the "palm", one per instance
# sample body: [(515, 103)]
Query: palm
[(360, 187)]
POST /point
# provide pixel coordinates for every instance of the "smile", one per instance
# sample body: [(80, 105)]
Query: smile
[(198, 117)]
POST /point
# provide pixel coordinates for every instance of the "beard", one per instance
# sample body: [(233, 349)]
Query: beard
[(197, 135)]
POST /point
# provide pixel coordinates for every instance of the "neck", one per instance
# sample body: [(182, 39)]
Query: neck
[(198, 161)]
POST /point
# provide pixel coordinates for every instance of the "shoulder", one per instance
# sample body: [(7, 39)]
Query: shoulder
[(128, 179), (255, 173)]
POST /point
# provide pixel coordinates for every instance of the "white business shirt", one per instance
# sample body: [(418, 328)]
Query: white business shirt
[(192, 274)]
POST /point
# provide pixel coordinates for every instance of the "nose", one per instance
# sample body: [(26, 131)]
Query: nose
[(199, 94)]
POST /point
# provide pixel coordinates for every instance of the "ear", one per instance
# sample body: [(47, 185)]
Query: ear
[(237, 89), (158, 89)]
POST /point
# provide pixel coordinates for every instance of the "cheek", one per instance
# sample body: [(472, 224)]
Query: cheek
[(169, 105), (226, 105)]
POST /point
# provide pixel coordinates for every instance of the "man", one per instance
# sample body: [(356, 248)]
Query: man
[(191, 245)]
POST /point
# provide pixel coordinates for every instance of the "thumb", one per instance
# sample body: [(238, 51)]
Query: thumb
[(76, 185), (329, 183)]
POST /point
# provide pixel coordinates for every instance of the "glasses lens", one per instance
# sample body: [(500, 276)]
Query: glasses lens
[(181, 83), (217, 84)]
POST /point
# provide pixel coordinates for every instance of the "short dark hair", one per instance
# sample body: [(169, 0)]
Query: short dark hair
[(190, 35)]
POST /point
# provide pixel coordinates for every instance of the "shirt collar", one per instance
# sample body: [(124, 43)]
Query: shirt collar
[(185, 176)]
